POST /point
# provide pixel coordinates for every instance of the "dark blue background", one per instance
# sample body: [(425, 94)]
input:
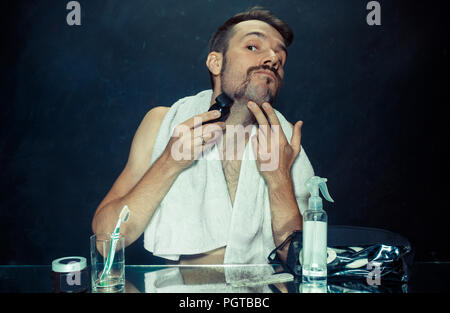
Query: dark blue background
[(372, 100)]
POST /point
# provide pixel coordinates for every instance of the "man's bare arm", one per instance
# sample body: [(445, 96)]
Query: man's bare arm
[(285, 213), (134, 187), (142, 187)]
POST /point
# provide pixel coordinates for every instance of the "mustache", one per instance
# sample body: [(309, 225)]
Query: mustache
[(265, 67)]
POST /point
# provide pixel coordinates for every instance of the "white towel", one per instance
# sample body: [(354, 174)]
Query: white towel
[(196, 215)]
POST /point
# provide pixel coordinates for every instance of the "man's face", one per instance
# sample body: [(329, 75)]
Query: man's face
[(253, 64)]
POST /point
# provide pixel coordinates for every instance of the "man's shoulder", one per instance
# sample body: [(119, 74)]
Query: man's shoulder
[(154, 117), (156, 113), (146, 134), (150, 124)]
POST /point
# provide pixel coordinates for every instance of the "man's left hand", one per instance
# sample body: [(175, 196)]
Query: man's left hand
[(274, 154)]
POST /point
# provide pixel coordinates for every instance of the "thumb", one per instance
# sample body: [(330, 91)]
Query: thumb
[(297, 136)]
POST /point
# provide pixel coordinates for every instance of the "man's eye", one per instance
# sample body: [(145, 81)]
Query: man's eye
[(251, 48)]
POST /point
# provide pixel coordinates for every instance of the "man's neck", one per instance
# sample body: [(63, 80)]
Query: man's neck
[(240, 115)]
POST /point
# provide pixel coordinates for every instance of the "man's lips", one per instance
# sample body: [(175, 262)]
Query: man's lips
[(269, 73)]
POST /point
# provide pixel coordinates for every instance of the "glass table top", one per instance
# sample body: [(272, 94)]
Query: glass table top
[(425, 277)]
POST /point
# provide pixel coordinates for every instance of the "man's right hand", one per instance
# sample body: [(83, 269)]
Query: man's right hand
[(191, 138), (141, 186)]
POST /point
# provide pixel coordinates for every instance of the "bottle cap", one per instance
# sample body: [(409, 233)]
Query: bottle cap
[(314, 184), (69, 264)]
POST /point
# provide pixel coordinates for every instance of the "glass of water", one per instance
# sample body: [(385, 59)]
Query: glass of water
[(114, 281)]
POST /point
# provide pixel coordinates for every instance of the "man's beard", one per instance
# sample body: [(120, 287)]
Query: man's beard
[(256, 93)]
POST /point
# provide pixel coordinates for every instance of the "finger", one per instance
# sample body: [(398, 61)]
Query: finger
[(207, 138), (209, 144), (264, 148), (254, 140), (297, 136), (258, 113), (205, 131), (263, 140), (212, 127), (270, 112), (201, 118), (213, 134), (275, 127)]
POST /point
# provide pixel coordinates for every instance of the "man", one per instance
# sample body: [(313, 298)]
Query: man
[(246, 62)]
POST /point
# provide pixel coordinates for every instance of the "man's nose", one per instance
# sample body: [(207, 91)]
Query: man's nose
[(272, 60)]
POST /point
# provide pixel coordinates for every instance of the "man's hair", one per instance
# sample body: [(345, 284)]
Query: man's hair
[(220, 39)]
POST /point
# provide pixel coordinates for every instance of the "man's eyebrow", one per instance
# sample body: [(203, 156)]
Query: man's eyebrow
[(261, 35)]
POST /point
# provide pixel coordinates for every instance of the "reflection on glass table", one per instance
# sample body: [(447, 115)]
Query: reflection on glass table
[(425, 277), (251, 279)]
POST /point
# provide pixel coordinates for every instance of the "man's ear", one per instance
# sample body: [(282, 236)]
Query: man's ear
[(214, 62)]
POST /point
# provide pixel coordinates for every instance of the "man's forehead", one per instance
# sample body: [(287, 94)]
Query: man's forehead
[(252, 26)]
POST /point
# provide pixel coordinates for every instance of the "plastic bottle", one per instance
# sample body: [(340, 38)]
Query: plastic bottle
[(314, 252), (70, 275)]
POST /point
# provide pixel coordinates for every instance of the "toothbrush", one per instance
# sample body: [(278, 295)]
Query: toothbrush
[(123, 217)]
